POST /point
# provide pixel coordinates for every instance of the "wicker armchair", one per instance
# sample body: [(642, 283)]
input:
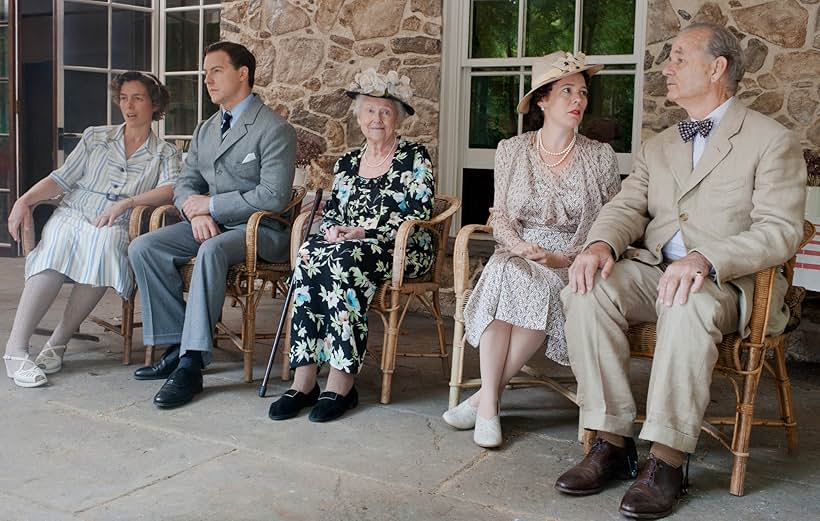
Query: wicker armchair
[(137, 225), (246, 282), (387, 301), (741, 361), (461, 276)]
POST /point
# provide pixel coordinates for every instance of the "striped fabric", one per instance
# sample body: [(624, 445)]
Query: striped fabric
[(95, 175)]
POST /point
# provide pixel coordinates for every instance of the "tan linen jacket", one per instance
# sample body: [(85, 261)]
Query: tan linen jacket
[(742, 207)]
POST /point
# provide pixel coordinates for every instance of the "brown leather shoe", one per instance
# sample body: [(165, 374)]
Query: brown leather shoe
[(655, 492), (604, 463)]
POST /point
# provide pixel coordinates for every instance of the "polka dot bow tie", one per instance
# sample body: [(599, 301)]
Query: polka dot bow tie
[(688, 129)]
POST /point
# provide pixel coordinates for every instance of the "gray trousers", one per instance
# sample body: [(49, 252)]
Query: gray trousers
[(156, 257), (685, 352)]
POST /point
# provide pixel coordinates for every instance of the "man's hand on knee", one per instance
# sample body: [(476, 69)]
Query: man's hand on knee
[(597, 256), (204, 227), (682, 277)]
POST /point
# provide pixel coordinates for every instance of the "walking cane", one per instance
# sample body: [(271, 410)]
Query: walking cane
[(264, 387)]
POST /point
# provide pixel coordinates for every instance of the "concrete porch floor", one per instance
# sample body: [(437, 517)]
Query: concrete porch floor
[(91, 446)]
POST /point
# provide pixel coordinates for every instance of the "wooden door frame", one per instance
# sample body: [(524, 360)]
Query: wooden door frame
[(12, 249)]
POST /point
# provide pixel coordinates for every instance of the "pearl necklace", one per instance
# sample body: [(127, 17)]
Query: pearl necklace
[(561, 155), (380, 163)]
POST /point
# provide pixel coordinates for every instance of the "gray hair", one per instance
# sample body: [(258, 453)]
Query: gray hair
[(723, 43), (401, 112)]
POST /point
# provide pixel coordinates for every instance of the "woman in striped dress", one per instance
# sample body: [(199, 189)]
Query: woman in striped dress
[(112, 170)]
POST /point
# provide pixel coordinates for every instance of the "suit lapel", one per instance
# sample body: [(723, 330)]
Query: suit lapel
[(679, 155), (239, 130), (718, 146)]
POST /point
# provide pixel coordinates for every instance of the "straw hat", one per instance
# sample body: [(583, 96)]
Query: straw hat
[(390, 85), (553, 67)]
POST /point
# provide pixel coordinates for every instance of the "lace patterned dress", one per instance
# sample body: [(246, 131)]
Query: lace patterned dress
[(335, 282), (554, 210)]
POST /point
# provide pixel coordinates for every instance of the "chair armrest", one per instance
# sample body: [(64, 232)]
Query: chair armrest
[(160, 216), (403, 235), (27, 234), (139, 221), (252, 234), (461, 255)]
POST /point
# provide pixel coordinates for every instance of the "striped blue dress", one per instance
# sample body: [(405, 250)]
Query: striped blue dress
[(94, 176)]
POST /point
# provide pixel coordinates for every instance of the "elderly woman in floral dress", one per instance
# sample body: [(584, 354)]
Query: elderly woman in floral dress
[(377, 187)]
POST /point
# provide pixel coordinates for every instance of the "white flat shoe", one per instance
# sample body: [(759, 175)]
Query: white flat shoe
[(49, 360), (462, 416), (488, 432), (27, 373)]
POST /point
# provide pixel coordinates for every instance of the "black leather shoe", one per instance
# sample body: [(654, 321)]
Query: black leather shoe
[(332, 405), (292, 402), (604, 463), (656, 491), (179, 389), (162, 369)]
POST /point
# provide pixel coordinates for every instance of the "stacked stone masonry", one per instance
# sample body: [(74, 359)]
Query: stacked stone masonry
[(308, 52)]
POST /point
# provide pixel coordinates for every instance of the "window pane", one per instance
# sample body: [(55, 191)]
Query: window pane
[(4, 10), (495, 29), (609, 113), (130, 40), (477, 195), (181, 3), (211, 20), (86, 99), (5, 163), (182, 41), (549, 26), (212, 2), (608, 27), (141, 3), (70, 143), (492, 110), (3, 52), (181, 118), (4, 107), (5, 208), (85, 40)]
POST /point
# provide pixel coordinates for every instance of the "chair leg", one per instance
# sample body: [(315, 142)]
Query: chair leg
[(744, 417), (442, 343), (127, 329), (784, 395), (389, 349), (457, 368), (248, 335)]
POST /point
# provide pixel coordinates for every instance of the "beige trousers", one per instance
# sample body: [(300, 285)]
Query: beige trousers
[(685, 354)]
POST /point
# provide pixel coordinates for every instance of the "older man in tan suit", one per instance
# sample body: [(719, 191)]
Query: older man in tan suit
[(709, 203)]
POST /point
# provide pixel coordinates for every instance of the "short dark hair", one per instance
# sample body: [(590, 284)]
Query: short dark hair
[(534, 118), (239, 55), (159, 94)]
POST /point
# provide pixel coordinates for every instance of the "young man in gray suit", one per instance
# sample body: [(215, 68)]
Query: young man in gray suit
[(709, 203), (241, 160)]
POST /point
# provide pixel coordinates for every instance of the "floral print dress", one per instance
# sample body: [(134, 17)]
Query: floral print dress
[(335, 282)]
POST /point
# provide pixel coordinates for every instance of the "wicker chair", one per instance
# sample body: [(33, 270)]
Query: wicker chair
[(461, 276), (741, 361), (387, 301), (137, 225), (246, 281)]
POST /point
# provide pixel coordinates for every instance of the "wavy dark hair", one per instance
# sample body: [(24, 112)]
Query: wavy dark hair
[(160, 96), (534, 118)]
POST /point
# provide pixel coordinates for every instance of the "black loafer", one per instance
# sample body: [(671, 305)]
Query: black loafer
[(179, 389), (292, 402), (162, 369), (332, 405)]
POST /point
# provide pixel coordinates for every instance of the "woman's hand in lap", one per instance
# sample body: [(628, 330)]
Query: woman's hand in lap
[(336, 234), (111, 213)]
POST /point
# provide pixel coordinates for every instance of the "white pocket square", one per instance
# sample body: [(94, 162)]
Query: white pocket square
[(250, 157)]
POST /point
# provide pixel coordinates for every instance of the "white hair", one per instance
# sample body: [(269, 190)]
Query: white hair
[(401, 112)]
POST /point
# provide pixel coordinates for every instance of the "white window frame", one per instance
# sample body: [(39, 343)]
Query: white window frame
[(108, 70), (164, 10), (456, 67)]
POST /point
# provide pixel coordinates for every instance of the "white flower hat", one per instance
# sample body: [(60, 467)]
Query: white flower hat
[(390, 85)]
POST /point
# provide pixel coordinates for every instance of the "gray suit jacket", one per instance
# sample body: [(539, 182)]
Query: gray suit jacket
[(250, 170), (741, 207)]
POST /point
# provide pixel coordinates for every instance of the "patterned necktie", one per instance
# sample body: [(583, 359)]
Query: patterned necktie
[(226, 122), (688, 129)]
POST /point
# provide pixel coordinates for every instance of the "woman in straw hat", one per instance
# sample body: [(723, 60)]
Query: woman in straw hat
[(377, 187), (549, 187)]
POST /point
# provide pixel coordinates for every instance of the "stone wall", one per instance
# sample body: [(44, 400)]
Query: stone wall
[(308, 51), (781, 43)]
